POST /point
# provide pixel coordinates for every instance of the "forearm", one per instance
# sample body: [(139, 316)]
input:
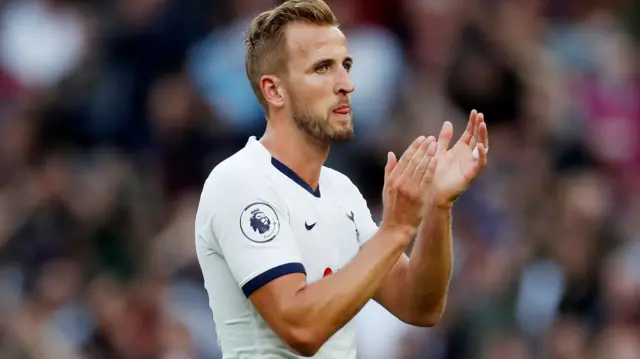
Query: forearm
[(430, 264), (327, 305)]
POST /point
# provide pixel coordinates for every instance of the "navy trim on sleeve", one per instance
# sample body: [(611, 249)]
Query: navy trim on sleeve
[(273, 273)]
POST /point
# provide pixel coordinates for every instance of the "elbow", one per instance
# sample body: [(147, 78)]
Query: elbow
[(306, 342), (425, 318), (428, 314)]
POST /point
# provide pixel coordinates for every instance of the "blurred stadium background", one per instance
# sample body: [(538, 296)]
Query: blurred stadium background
[(112, 113)]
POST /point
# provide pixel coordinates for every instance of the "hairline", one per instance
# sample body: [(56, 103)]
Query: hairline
[(275, 59)]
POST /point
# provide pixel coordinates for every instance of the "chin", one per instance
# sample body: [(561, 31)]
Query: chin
[(342, 135)]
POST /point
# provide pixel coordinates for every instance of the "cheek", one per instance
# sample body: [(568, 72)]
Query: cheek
[(317, 92), (313, 104)]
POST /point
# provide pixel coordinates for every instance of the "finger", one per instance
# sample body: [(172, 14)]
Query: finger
[(427, 178), (468, 132), (433, 148), (474, 138), (415, 160), (425, 162), (483, 134), (482, 157), (406, 157), (446, 134), (391, 164)]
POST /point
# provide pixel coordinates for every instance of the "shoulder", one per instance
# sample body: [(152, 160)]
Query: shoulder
[(236, 174), (236, 184), (237, 189)]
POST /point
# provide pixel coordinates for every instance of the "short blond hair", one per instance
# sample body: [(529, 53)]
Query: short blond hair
[(265, 40)]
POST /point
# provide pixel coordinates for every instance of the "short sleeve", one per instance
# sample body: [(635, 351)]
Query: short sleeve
[(252, 231)]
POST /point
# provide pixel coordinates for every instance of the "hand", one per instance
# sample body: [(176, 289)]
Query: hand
[(457, 167), (405, 183)]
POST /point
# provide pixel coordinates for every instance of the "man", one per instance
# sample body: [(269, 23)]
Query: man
[(287, 247)]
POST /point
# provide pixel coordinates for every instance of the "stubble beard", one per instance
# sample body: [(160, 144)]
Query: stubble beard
[(319, 128)]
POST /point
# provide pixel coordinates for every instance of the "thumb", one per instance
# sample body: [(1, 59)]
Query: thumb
[(392, 161)]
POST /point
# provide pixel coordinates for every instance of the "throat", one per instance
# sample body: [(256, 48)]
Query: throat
[(297, 158)]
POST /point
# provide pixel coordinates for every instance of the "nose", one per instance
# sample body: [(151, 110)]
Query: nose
[(344, 85)]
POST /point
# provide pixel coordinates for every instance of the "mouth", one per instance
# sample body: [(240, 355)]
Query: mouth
[(342, 110)]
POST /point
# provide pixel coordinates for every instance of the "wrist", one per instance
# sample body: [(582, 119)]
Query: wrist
[(403, 234), (443, 206)]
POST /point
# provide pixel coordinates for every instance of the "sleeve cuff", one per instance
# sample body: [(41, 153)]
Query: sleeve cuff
[(271, 274)]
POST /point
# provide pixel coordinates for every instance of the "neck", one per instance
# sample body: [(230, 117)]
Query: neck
[(296, 150)]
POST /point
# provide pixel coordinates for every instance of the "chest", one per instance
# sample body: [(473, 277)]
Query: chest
[(326, 234)]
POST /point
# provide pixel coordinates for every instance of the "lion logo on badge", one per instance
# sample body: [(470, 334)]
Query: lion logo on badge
[(259, 222)]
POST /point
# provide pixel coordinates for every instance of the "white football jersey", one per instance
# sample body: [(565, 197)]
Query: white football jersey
[(257, 220)]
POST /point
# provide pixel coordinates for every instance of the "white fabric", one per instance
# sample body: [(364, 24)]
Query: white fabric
[(256, 223)]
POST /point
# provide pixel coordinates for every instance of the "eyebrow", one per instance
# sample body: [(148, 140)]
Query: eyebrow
[(330, 62)]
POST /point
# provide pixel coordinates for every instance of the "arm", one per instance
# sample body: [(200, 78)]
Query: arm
[(416, 289), (431, 265), (268, 266), (305, 315)]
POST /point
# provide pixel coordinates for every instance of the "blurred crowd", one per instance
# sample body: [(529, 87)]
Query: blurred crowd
[(113, 112)]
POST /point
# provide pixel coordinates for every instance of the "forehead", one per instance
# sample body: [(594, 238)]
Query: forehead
[(307, 43)]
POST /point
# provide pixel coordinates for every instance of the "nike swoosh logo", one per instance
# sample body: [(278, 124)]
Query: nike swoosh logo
[(309, 226)]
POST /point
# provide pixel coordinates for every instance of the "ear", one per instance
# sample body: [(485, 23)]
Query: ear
[(272, 90)]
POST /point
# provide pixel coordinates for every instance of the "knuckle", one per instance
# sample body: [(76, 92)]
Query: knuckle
[(409, 192), (417, 196)]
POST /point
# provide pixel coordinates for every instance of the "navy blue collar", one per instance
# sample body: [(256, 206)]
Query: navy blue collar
[(294, 177)]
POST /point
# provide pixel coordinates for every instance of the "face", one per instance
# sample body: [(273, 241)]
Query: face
[(318, 86)]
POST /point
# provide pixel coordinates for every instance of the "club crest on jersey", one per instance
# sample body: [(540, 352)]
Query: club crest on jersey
[(352, 217), (259, 222)]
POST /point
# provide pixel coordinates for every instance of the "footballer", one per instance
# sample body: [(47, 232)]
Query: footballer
[(288, 247)]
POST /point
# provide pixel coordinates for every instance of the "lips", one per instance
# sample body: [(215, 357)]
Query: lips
[(342, 110)]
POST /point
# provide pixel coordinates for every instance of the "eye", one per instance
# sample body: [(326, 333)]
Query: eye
[(347, 66), (322, 68)]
